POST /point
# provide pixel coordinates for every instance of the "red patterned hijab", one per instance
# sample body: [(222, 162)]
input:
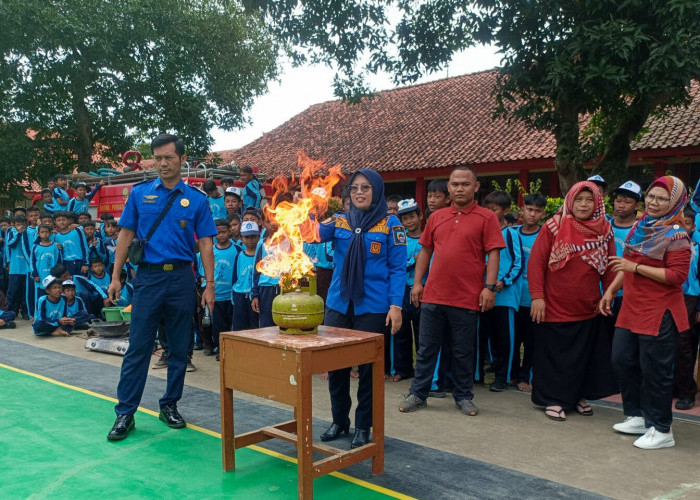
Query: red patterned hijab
[(587, 238)]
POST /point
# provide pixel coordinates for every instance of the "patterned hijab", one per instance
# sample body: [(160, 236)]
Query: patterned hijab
[(652, 237), (588, 238)]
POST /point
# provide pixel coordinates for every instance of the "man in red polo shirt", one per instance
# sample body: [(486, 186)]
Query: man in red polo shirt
[(459, 238)]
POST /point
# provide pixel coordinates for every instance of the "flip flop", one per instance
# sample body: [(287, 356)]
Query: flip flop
[(584, 410), (556, 415)]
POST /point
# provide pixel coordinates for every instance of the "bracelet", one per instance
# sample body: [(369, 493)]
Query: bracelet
[(635, 269), (397, 307)]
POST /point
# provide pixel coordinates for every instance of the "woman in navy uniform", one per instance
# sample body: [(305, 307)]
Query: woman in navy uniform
[(366, 290), (164, 287)]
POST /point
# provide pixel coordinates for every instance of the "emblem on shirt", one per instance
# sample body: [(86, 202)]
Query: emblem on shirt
[(150, 198), (399, 235), (185, 202), (376, 247), (183, 224)]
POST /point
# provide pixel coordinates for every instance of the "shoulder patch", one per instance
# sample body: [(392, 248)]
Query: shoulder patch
[(399, 233), (341, 222), (381, 226)]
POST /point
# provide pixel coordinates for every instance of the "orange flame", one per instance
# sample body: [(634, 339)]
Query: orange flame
[(285, 249)]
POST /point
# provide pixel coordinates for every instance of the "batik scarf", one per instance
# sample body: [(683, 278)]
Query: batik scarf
[(588, 238), (651, 236)]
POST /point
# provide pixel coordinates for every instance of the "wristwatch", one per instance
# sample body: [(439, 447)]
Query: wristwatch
[(490, 287)]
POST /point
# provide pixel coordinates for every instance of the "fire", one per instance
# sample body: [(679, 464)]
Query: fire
[(286, 257)]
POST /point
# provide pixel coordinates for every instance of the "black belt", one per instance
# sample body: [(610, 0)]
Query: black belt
[(164, 267)]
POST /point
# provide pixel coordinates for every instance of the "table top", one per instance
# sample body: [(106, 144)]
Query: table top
[(327, 338)]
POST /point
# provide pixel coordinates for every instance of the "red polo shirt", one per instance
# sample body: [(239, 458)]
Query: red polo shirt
[(460, 240)]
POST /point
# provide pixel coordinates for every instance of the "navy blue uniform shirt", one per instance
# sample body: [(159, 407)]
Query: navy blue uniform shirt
[(174, 239)]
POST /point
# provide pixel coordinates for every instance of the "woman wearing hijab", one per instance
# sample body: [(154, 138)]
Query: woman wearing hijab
[(366, 290), (651, 271), (567, 264)]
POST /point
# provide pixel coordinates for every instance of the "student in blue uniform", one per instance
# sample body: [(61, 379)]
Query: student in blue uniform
[(627, 200), (215, 199), (164, 288), (366, 290), (233, 201), (265, 288), (244, 317), (47, 203), (225, 254), (75, 307), (403, 341), (252, 191), (497, 326), (45, 255), (19, 267), (29, 239), (533, 212), (59, 193), (96, 248), (234, 224), (7, 317), (81, 203), (684, 386), (51, 319), (98, 275), (600, 183), (74, 249)]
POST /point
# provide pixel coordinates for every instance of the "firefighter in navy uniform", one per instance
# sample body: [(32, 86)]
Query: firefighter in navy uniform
[(366, 290), (164, 287)]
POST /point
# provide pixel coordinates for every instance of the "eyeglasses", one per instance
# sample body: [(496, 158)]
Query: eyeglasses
[(363, 188), (660, 199)]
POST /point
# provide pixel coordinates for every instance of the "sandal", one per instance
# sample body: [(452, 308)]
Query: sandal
[(584, 409), (554, 414), (396, 378)]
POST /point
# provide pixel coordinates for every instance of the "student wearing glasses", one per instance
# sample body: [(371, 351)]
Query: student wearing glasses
[(651, 272)]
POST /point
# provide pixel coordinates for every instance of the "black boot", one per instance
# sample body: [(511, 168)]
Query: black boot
[(335, 430), (361, 438)]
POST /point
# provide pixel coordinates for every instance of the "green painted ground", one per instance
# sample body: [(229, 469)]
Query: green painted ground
[(53, 445)]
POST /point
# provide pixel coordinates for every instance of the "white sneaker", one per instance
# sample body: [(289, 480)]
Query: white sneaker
[(655, 440), (631, 425)]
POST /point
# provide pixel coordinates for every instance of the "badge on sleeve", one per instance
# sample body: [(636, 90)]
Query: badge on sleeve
[(399, 233), (185, 202)]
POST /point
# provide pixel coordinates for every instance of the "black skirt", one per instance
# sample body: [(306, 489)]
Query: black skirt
[(571, 362)]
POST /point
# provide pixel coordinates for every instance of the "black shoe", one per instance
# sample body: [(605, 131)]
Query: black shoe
[(437, 394), (121, 428), (197, 347), (685, 404), (335, 430), (498, 387), (361, 438), (172, 417), (208, 351), (9, 324)]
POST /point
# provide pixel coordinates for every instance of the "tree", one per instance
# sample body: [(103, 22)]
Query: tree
[(78, 73)]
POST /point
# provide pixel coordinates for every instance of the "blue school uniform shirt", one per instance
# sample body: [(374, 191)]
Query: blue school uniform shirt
[(102, 282), (86, 288), (224, 259), (413, 248), (16, 256), (74, 246), (77, 306), (29, 239), (60, 194), (691, 285), (97, 250), (43, 259), (218, 209), (252, 197), (174, 239), (242, 274), (620, 234), (527, 241), (385, 264), (260, 279), (321, 254), (82, 206), (49, 311), (510, 268)]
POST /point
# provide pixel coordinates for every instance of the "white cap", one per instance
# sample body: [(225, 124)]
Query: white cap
[(407, 206), (630, 188), (234, 190), (48, 281), (249, 228), (597, 179)]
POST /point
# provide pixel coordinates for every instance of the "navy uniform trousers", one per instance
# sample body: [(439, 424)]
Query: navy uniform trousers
[(166, 295)]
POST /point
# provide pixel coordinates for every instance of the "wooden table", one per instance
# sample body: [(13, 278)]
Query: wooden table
[(279, 367)]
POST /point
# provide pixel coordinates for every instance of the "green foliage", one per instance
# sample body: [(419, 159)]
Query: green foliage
[(553, 206), (113, 73)]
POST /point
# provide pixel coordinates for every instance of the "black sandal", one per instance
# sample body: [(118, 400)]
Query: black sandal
[(584, 410), (559, 417)]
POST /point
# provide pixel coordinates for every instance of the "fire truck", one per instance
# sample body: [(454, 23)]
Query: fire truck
[(112, 196)]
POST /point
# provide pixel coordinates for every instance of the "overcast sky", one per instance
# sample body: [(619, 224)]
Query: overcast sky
[(299, 88)]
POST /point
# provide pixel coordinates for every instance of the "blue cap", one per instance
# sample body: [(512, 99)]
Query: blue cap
[(249, 228), (407, 206), (598, 180)]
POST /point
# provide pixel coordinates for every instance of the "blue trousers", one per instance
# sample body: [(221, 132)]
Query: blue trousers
[(7, 316), (221, 319), (30, 295), (16, 296), (43, 328), (267, 295), (74, 267), (339, 380), (244, 318), (166, 295)]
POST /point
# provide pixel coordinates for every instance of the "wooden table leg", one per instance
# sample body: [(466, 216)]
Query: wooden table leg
[(228, 449), (305, 437), (378, 409)]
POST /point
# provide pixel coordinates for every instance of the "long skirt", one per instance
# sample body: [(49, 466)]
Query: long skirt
[(571, 362)]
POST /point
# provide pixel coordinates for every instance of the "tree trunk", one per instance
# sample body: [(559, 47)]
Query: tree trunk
[(568, 160), (83, 137), (613, 165)]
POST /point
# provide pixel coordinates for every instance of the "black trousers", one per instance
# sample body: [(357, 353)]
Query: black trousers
[(521, 370), (496, 329), (644, 366), (267, 295), (339, 380), (221, 319), (404, 338), (686, 355), (460, 324)]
